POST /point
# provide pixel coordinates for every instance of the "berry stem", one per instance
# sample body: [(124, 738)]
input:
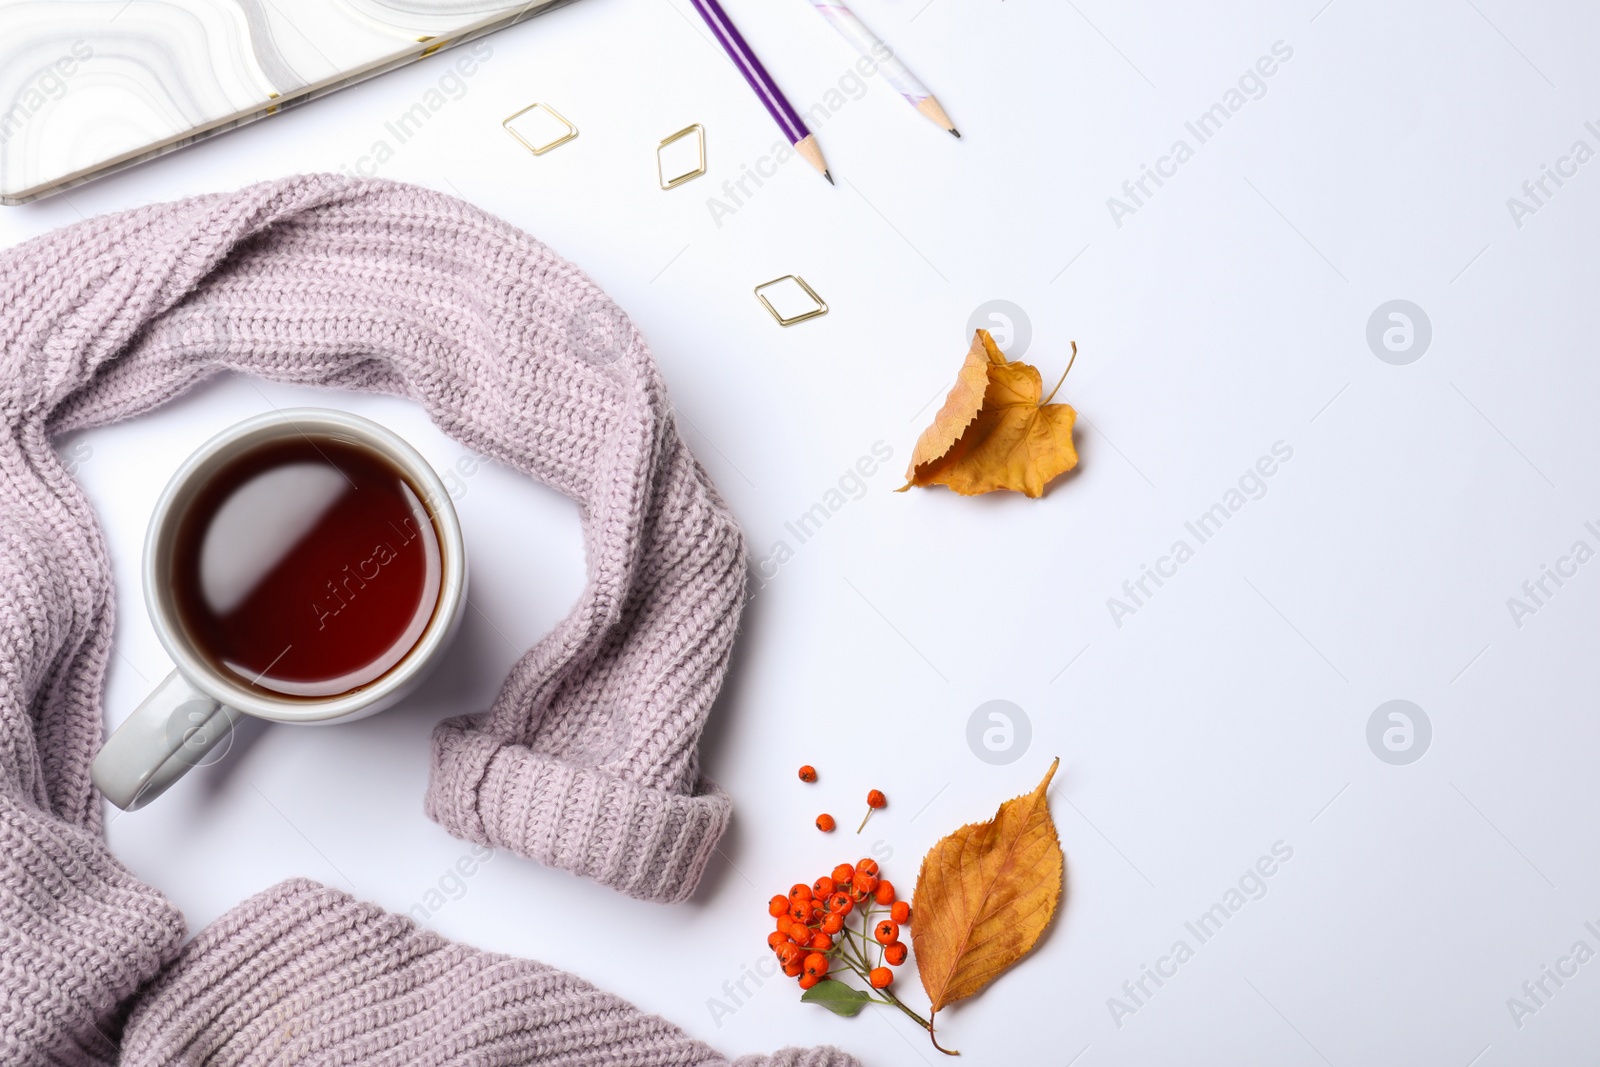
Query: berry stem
[(926, 1024), (864, 819), (861, 966)]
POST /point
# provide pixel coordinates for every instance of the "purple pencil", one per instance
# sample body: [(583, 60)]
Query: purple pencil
[(778, 106)]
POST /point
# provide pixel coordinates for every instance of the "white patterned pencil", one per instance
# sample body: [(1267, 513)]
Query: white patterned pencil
[(895, 72)]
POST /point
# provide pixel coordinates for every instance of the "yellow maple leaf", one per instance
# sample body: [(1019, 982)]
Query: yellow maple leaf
[(993, 431), (984, 895)]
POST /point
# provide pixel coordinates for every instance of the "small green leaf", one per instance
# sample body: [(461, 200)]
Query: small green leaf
[(836, 997)]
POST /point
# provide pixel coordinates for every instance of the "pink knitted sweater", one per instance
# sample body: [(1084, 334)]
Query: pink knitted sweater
[(586, 761)]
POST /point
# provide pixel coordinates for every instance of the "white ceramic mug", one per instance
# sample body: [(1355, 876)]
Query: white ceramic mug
[(196, 706)]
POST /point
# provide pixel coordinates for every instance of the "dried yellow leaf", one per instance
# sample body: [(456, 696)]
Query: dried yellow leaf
[(993, 432), (984, 895)]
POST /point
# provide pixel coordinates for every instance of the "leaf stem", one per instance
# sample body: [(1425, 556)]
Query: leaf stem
[(932, 1037), (1042, 403)]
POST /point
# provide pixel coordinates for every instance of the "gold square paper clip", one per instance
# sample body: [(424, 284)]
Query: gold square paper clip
[(820, 309), (689, 175), (539, 150)]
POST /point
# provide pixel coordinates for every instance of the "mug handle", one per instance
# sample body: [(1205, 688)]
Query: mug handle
[(165, 736)]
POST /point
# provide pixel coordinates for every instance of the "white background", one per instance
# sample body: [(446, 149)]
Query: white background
[(1227, 314)]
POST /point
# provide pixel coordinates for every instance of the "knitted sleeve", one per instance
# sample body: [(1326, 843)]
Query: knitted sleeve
[(78, 933), (303, 975)]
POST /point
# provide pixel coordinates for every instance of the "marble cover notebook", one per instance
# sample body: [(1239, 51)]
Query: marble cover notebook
[(90, 86)]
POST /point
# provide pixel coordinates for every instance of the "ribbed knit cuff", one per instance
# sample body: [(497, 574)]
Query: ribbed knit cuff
[(78, 935), (306, 975), (649, 843)]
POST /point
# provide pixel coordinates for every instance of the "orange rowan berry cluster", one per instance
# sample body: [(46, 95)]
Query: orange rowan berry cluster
[(814, 934)]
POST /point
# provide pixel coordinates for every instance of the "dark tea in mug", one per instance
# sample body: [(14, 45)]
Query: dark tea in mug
[(305, 567)]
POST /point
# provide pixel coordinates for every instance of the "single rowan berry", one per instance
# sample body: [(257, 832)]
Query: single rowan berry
[(809, 980), (799, 892), (901, 912), (840, 904), (833, 924), (817, 964), (790, 953), (778, 906), (799, 910), (875, 800), (843, 873), (895, 953), (868, 865), (887, 932), (821, 941), (800, 932), (825, 823), (822, 888), (776, 938), (792, 970), (884, 894), (865, 884), (808, 773), (784, 921), (880, 977)]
